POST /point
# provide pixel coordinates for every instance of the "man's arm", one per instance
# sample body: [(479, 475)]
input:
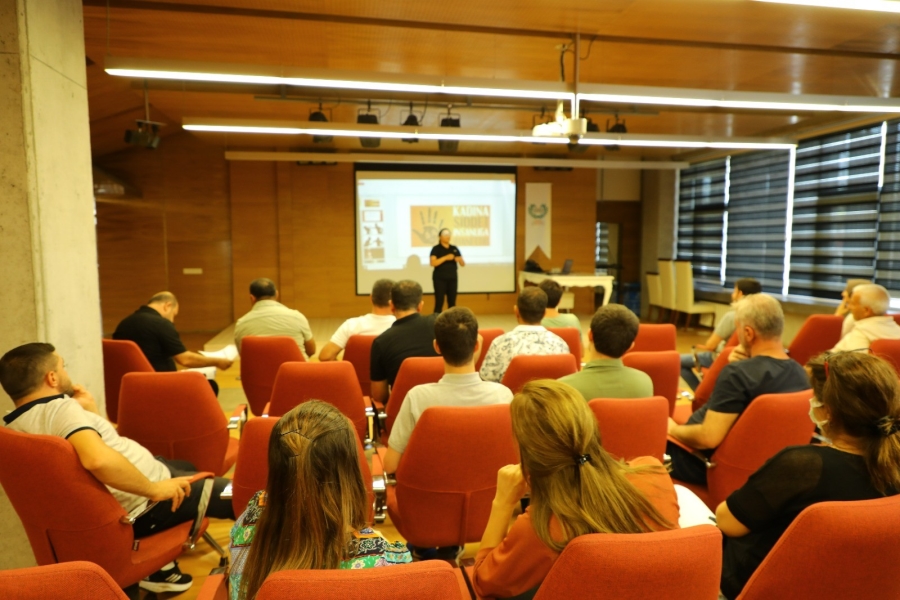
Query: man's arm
[(711, 344), (329, 352), (193, 360), (391, 460), (379, 391), (707, 435), (310, 347)]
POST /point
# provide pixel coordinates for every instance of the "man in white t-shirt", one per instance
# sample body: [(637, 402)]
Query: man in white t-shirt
[(868, 304), (47, 403), (374, 323)]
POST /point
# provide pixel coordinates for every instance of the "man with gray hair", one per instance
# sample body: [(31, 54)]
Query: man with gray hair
[(868, 305), (768, 370)]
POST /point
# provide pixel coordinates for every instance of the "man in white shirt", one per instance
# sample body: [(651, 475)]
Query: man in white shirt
[(374, 323), (457, 340), (268, 316), (529, 337), (868, 305)]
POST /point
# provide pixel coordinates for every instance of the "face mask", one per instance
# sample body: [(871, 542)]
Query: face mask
[(814, 404)]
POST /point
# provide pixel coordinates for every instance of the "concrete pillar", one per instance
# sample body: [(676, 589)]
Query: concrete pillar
[(48, 249)]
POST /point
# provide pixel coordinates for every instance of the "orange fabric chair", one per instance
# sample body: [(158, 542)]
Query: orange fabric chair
[(817, 334), (260, 358), (69, 515), (120, 357), (527, 367), (332, 382), (667, 565), (771, 423), (708, 383), (448, 474), (632, 427), (79, 579), (358, 353), (177, 416), (572, 336), (487, 338), (889, 350), (663, 367), (414, 371), (654, 338), (849, 550)]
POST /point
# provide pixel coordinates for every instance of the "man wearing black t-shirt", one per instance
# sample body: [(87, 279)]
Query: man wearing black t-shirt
[(769, 370)]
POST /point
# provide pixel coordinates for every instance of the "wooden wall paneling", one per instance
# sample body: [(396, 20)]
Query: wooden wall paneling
[(285, 218), (204, 300), (629, 217)]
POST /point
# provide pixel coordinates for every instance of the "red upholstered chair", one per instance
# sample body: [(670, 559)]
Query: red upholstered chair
[(332, 382), (632, 427), (414, 371), (889, 350), (572, 336), (680, 564), (707, 384), (177, 416), (663, 367), (849, 550), (771, 423), (817, 334), (448, 474), (358, 353), (260, 358), (120, 357), (487, 338), (527, 367), (69, 515), (79, 579), (653, 338)]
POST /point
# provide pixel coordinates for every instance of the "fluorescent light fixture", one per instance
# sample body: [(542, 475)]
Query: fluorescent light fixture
[(875, 5)]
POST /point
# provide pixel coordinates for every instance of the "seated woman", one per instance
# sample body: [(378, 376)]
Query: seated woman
[(313, 512), (576, 488), (857, 408)]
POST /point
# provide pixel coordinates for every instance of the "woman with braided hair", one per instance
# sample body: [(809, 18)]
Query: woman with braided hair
[(856, 406)]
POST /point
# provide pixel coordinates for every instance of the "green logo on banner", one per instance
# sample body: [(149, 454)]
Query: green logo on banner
[(538, 213)]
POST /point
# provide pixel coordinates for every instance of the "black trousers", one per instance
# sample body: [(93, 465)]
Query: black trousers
[(444, 287), (686, 466)]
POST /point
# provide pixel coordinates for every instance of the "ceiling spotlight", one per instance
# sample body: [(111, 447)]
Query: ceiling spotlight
[(411, 120), (368, 118), (591, 128), (318, 115), (449, 120), (617, 127)]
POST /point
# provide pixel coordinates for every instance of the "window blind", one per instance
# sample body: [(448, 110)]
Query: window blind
[(887, 255), (701, 219)]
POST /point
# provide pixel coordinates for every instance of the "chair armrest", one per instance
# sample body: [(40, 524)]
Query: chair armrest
[(695, 453), (202, 475), (228, 492), (129, 520), (266, 409), (215, 586), (238, 418)]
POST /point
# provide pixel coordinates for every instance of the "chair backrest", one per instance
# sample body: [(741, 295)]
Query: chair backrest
[(488, 336), (850, 550), (654, 338), (708, 383), (654, 289), (664, 565), (526, 367), (817, 334), (120, 357), (684, 285), (448, 476), (666, 270), (65, 580), (632, 427), (415, 370), (769, 424), (435, 580), (176, 416), (664, 368), (573, 338), (261, 356), (332, 382), (889, 350), (358, 353), (251, 472)]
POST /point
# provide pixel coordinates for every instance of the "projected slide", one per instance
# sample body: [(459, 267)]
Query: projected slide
[(399, 215)]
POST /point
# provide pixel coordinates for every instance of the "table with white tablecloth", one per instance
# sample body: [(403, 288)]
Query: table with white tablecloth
[(571, 280)]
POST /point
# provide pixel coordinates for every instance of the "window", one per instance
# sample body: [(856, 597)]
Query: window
[(887, 255), (701, 218)]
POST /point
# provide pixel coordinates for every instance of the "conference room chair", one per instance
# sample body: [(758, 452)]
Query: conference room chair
[(77, 579), (705, 388), (177, 416), (680, 564), (889, 350), (896, 317), (769, 424), (849, 550), (684, 294), (666, 270), (415, 370), (69, 515), (261, 356), (487, 338), (654, 338), (817, 334), (528, 367), (572, 337), (664, 368), (654, 296), (632, 427), (120, 357), (332, 382), (358, 353)]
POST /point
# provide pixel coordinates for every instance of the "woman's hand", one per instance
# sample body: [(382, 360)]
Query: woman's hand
[(511, 485)]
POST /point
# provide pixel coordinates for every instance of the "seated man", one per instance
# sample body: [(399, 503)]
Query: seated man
[(47, 403), (552, 316), (456, 339), (410, 335), (268, 316), (769, 370), (374, 323), (843, 309), (868, 305), (528, 337), (707, 352), (152, 328), (611, 335)]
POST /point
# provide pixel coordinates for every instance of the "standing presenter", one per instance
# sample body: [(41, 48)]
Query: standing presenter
[(444, 258)]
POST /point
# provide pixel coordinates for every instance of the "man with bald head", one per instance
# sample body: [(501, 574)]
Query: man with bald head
[(868, 304)]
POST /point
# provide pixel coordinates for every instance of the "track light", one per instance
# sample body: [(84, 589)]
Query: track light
[(319, 116), (449, 120), (411, 121), (591, 128), (617, 127), (368, 118)]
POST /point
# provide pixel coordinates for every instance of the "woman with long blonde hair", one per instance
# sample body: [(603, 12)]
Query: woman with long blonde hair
[(576, 488), (312, 514)]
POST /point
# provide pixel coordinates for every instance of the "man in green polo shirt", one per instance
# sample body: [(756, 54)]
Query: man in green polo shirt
[(612, 334)]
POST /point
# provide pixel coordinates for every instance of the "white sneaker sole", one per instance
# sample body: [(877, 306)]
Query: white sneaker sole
[(164, 586)]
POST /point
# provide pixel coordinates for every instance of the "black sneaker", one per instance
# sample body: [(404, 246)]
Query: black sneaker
[(167, 580)]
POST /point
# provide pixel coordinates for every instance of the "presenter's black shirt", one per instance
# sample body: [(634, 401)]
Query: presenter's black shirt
[(155, 336), (413, 335), (445, 270)]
